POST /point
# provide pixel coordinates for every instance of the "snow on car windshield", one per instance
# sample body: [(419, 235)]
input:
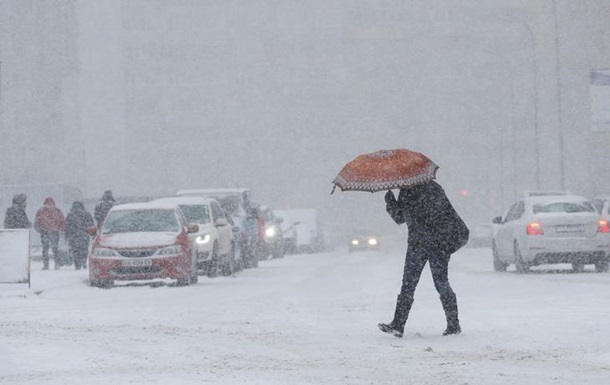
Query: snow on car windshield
[(564, 207), (135, 221), (196, 213)]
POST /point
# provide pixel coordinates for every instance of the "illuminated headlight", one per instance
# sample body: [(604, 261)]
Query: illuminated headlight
[(355, 242), (202, 240), (372, 241), (270, 232), (169, 250), (103, 252)]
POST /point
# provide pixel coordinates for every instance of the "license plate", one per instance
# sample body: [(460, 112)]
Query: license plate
[(137, 262), (570, 228)]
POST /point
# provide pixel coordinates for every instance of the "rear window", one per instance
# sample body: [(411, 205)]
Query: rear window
[(135, 221), (564, 207), (196, 213)]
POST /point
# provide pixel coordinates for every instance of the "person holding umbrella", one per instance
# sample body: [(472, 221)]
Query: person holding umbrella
[(435, 229), (435, 232)]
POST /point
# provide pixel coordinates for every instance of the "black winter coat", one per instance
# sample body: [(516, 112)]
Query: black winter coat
[(16, 218), (77, 222), (431, 219), (101, 210)]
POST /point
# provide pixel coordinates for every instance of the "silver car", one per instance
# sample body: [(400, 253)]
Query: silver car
[(551, 229)]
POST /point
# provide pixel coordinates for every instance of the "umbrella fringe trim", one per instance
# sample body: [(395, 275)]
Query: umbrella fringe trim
[(373, 186)]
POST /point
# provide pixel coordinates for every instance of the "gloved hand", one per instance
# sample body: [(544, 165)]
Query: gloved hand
[(389, 198)]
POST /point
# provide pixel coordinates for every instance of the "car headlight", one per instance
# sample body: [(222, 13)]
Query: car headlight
[(103, 252), (372, 241), (203, 240), (270, 232), (169, 250), (355, 242)]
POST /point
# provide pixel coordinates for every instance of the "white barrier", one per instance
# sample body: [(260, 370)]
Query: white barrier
[(14, 256)]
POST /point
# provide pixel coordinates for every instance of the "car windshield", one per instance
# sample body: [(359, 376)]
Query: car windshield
[(232, 205), (564, 207), (135, 221), (196, 213)]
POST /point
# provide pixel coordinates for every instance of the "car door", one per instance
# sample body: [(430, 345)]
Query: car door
[(515, 230), (224, 232), (504, 234)]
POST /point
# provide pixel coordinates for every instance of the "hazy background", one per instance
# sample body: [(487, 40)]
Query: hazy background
[(147, 97)]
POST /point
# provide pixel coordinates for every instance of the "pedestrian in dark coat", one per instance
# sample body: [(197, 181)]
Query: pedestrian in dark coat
[(15, 216), (77, 222), (102, 208), (435, 232), (50, 222)]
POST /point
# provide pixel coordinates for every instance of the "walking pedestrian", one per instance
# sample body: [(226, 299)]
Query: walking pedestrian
[(77, 222), (50, 222), (15, 216), (102, 208), (435, 231)]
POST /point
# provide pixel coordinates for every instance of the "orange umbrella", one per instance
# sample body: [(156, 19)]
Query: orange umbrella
[(384, 170)]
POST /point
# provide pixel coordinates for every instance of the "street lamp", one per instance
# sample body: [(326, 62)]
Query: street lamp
[(559, 99), (511, 124)]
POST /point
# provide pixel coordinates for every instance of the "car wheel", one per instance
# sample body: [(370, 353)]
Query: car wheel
[(278, 252), (251, 256), (238, 257), (521, 266), (103, 283), (498, 265), (228, 267), (602, 266), (214, 264), (184, 281), (578, 267)]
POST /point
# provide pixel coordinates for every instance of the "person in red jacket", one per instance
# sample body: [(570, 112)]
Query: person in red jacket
[(49, 222)]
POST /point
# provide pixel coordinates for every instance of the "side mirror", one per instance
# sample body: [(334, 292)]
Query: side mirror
[(497, 220), (221, 222), (192, 228), (91, 230)]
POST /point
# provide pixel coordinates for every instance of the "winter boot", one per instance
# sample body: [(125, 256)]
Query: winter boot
[(390, 329), (397, 326), (451, 313)]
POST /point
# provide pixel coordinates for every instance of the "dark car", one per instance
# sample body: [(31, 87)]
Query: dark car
[(273, 244), (362, 240)]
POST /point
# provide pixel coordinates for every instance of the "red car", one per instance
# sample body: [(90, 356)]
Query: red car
[(143, 241)]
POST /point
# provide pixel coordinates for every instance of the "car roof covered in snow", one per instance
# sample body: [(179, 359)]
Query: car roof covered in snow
[(216, 191), (186, 200), (556, 198), (145, 206)]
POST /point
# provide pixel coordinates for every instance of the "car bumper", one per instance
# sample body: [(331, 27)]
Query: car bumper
[(174, 267), (351, 247), (567, 250)]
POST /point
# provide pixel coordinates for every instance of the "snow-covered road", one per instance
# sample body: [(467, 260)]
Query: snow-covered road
[(309, 319)]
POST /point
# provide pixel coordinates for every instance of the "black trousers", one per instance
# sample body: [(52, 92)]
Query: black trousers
[(415, 261), (49, 239)]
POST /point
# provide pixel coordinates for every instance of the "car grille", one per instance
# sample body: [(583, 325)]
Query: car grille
[(137, 270), (137, 253)]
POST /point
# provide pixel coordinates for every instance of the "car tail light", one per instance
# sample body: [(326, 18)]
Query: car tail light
[(603, 226), (534, 228), (260, 222)]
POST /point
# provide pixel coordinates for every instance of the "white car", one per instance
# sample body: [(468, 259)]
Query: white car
[(215, 243), (551, 229)]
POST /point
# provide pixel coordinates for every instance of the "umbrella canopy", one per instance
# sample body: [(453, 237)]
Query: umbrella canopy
[(384, 170)]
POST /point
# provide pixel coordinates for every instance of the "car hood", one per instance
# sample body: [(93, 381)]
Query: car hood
[(129, 240)]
